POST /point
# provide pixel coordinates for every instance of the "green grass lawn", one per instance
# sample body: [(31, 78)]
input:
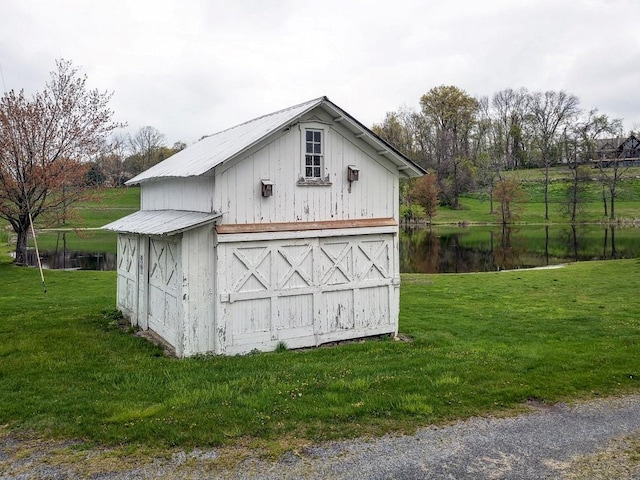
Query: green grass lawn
[(481, 343), (476, 208)]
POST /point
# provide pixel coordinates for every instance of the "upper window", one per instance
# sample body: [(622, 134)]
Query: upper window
[(314, 152)]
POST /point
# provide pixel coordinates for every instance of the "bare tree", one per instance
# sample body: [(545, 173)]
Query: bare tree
[(581, 145), (611, 173), (509, 108), (44, 141), (549, 113), (145, 145), (111, 161)]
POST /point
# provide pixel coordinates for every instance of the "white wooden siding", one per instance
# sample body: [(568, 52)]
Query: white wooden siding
[(127, 271), (164, 289), (238, 186), (236, 190), (192, 193), (305, 291), (198, 282)]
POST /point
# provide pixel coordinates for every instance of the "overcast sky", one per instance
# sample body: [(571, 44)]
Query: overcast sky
[(194, 67)]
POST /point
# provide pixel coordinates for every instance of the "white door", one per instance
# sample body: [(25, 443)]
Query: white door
[(164, 273)]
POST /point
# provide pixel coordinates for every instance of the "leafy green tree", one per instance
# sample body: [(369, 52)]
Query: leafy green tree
[(452, 114)]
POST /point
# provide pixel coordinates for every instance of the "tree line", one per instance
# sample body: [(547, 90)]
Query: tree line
[(125, 156), (468, 142), (59, 142)]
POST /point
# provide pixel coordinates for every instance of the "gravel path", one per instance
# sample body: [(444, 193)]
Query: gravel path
[(596, 439)]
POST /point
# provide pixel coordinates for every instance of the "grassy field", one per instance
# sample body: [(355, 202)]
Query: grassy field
[(83, 232), (480, 343), (475, 208)]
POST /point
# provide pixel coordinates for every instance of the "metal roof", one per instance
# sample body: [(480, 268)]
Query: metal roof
[(161, 222), (201, 157)]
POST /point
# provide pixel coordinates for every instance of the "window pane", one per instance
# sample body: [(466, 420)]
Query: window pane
[(316, 160), (310, 147), (308, 160), (317, 137), (316, 148), (309, 136), (316, 172), (308, 172)]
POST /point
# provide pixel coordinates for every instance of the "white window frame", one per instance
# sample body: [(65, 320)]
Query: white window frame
[(323, 178)]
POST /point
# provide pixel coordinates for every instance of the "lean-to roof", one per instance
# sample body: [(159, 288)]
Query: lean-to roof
[(161, 222)]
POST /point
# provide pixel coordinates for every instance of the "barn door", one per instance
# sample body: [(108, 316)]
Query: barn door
[(128, 276), (306, 291), (164, 273)]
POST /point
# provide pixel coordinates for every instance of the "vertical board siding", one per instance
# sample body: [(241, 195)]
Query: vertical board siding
[(375, 305), (165, 315), (198, 290), (305, 291), (127, 280), (193, 193), (338, 310), (238, 189)]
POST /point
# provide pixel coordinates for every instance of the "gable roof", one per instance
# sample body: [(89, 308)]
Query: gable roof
[(617, 147), (211, 151)]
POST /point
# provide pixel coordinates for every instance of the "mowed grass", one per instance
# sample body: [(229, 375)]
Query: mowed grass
[(83, 232), (108, 205), (481, 344), (476, 207)]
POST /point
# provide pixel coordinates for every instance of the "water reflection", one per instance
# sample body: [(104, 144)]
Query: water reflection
[(449, 250), (73, 260), (482, 249)]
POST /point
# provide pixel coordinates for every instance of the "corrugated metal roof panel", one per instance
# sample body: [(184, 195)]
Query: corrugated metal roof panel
[(161, 222), (204, 155)]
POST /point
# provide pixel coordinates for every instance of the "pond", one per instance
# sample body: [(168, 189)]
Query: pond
[(485, 249), (441, 250), (75, 249), (73, 260)]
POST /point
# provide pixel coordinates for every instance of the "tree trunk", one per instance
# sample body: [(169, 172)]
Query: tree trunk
[(491, 200), (604, 201), (574, 239), (546, 192), (21, 245), (546, 244), (612, 204)]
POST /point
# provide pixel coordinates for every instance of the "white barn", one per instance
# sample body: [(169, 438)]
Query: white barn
[(281, 229)]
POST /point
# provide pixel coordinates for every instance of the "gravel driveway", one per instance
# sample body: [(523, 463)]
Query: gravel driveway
[(590, 440)]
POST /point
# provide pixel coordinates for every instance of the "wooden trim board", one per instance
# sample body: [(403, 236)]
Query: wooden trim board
[(301, 226)]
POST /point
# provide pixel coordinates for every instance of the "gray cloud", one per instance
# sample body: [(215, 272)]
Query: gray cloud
[(195, 67)]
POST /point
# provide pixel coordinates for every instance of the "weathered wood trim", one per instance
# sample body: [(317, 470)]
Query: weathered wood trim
[(309, 340), (303, 234), (305, 226), (232, 297)]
